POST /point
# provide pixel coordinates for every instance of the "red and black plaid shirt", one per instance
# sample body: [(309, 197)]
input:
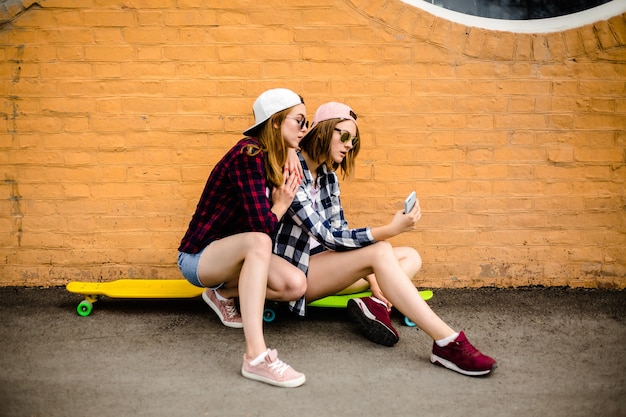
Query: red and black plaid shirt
[(234, 200)]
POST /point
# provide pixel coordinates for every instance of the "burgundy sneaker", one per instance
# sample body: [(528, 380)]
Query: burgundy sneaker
[(372, 318), (462, 357)]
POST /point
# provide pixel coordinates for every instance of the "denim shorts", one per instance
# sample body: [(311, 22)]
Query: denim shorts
[(188, 265)]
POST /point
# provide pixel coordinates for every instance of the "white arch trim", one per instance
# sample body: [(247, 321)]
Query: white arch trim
[(553, 24)]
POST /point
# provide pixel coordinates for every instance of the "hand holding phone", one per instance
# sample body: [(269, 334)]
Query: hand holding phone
[(409, 202)]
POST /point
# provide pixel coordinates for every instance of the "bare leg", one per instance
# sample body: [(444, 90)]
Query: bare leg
[(241, 261), (409, 260), (359, 286), (285, 281), (330, 272)]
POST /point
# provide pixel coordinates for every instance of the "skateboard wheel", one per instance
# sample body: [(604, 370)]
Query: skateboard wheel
[(84, 308), (269, 315), (408, 322)]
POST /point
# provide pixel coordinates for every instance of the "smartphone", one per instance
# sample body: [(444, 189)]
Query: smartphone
[(409, 202)]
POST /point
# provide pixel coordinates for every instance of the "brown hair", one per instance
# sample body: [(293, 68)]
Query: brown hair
[(272, 145), (316, 143)]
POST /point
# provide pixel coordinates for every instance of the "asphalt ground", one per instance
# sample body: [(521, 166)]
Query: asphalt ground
[(561, 352)]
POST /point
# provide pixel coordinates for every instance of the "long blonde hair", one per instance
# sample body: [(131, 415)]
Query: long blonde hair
[(316, 143), (272, 145)]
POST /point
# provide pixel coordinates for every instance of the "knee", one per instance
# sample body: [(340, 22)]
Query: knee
[(296, 286), (258, 244), (383, 250), (292, 284), (415, 260)]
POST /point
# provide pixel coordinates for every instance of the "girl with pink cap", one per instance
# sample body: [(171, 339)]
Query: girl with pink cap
[(315, 237)]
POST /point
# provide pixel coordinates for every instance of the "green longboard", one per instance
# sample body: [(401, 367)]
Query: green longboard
[(341, 301)]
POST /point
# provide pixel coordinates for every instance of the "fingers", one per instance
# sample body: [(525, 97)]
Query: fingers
[(292, 182), (389, 305), (291, 172), (382, 298), (416, 212), (414, 216)]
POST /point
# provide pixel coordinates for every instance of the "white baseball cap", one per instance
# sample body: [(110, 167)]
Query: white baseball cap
[(270, 102)]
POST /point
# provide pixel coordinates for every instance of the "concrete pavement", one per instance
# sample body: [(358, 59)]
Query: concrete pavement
[(561, 352)]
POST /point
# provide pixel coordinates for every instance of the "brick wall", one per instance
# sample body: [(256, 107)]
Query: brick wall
[(114, 112)]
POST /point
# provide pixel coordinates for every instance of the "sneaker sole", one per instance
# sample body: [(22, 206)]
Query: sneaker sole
[(283, 384), (373, 329), (449, 365), (217, 311)]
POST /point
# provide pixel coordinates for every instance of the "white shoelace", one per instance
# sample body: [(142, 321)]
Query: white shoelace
[(278, 367), (231, 310)]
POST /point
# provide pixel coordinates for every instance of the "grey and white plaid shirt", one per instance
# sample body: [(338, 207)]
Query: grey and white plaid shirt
[(326, 224)]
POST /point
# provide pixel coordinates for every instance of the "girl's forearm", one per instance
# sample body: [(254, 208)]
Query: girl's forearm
[(383, 232)]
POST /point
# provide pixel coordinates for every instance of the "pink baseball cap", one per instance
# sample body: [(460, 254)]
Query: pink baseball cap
[(333, 110), (270, 102)]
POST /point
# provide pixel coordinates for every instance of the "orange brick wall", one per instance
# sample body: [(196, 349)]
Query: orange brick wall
[(114, 112)]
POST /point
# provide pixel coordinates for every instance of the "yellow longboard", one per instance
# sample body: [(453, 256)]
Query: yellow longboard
[(131, 288), (181, 288)]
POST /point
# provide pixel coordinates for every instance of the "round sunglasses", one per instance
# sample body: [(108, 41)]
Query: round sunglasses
[(345, 136), (304, 123)]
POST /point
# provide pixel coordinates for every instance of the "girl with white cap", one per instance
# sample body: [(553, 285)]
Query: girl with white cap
[(315, 237), (228, 246)]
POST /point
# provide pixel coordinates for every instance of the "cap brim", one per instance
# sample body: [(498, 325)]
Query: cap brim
[(254, 129)]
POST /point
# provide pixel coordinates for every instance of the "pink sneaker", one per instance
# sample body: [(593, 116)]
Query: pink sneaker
[(373, 319), (271, 370), (462, 357), (225, 310)]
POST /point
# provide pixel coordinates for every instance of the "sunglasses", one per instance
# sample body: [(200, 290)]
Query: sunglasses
[(304, 123), (345, 136)]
